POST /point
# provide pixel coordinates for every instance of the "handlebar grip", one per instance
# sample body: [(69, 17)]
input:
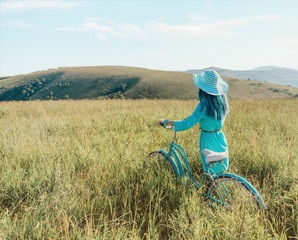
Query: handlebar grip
[(165, 126), (162, 124)]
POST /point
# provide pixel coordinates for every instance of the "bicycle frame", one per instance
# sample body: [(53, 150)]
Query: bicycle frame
[(173, 156)]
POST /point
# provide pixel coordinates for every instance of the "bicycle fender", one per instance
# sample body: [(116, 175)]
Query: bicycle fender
[(247, 184), (172, 162)]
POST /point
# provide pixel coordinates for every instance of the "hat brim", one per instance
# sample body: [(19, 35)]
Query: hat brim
[(219, 89)]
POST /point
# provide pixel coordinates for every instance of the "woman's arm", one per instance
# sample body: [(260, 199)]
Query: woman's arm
[(188, 122)]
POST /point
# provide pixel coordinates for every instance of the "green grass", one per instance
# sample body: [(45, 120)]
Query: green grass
[(78, 170), (124, 82)]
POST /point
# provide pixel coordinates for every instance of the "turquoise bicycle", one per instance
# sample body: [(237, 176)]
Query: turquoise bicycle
[(225, 189)]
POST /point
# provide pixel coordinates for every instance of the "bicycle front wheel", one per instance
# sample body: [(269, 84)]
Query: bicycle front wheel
[(159, 160), (234, 195)]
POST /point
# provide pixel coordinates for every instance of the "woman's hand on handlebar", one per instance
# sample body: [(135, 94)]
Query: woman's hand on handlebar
[(164, 122), (161, 122)]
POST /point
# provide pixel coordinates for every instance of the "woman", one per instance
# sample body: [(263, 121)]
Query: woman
[(211, 113)]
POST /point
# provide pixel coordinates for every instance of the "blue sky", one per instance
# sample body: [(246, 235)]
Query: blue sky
[(164, 35)]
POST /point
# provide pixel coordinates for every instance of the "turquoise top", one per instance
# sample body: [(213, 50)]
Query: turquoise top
[(215, 141)]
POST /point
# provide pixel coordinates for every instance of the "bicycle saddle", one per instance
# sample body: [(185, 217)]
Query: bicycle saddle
[(213, 156)]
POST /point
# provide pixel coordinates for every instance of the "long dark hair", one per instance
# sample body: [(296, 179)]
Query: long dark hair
[(217, 107)]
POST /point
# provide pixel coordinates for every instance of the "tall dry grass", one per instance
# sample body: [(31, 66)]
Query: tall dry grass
[(78, 169)]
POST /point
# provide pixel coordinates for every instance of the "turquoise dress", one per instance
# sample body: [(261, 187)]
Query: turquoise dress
[(215, 141)]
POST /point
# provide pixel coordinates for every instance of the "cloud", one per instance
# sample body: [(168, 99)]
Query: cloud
[(287, 45), (91, 26), (129, 29), (24, 5), (219, 28), (287, 40), (15, 24), (290, 43), (103, 30), (101, 36), (162, 28), (198, 16), (206, 29), (270, 17)]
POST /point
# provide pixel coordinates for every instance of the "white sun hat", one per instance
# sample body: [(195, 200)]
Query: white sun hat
[(210, 82)]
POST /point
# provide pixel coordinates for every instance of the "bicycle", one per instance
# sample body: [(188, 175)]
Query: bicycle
[(224, 189)]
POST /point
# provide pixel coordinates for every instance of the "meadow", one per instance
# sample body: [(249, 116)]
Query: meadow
[(79, 170)]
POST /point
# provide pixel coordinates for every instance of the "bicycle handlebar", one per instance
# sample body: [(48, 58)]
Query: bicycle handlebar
[(165, 126)]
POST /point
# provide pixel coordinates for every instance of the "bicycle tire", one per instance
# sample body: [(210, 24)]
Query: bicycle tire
[(159, 158), (241, 195)]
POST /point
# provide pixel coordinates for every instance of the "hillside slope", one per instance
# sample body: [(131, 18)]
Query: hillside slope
[(128, 82)]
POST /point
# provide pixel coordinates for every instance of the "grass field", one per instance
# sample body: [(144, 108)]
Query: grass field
[(78, 170)]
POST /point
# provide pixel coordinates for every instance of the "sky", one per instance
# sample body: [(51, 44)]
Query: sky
[(163, 35)]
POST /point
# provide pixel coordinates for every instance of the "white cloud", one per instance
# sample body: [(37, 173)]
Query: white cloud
[(131, 30), (103, 30), (189, 31), (15, 24), (92, 19), (36, 5), (198, 16), (206, 29), (101, 36), (88, 26), (215, 28), (270, 17), (287, 40), (160, 27), (290, 43), (100, 19), (93, 26)]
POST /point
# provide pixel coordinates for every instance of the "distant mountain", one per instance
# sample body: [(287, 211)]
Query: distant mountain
[(267, 68), (271, 74), (107, 82)]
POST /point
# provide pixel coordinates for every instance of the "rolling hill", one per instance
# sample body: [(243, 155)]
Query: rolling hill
[(124, 82), (283, 76)]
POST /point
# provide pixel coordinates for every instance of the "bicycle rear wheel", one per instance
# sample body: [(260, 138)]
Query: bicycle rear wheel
[(158, 158), (234, 195)]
